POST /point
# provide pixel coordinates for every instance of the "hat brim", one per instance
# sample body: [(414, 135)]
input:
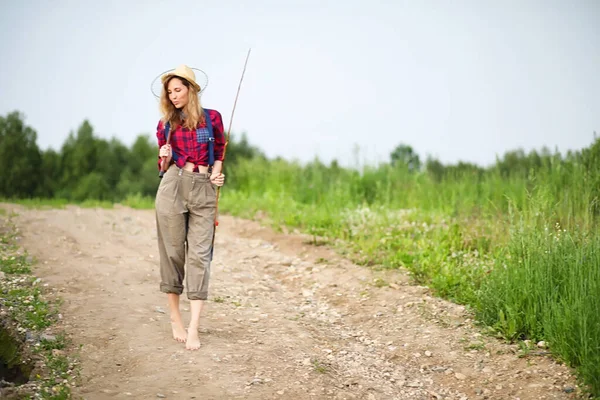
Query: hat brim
[(201, 81)]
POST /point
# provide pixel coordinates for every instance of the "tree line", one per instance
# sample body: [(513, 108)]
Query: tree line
[(86, 166), (89, 167)]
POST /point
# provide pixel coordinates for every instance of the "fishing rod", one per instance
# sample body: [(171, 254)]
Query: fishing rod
[(226, 143)]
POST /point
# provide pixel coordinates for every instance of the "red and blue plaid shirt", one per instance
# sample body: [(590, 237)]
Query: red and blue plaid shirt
[(187, 147)]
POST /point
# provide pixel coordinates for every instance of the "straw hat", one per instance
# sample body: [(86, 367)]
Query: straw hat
[(185, 72)]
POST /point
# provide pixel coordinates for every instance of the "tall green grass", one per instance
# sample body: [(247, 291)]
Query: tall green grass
[(520, 249), (547, 287)]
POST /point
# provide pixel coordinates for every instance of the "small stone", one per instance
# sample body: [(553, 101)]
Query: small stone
[(160, 395), (541, 344), (460, 376), (414, 384), (47, 338), (478, 392), (280, 392), (498, 387), (569, 389), (159, 310), (254, 320), (428, 353)]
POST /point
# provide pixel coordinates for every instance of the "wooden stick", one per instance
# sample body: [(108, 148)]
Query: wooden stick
[(229, 134), (235, 103)]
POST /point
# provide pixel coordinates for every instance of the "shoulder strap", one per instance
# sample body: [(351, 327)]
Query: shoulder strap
[(211, 139), (168, 139), (167, 129)]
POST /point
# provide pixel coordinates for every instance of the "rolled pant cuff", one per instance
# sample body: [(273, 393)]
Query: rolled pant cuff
[(197, 295), (166, 288)]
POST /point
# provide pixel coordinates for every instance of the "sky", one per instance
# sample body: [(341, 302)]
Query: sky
[(348, 80)]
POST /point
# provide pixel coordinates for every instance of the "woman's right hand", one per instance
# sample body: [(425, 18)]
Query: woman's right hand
[(165, 151)]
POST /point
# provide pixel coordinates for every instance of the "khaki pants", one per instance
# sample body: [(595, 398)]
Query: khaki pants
[(185, 220)]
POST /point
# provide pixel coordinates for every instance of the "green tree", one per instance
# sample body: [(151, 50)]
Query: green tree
[(435, 168), (20, 158), (142, 150), (92, 186), (51, 173), (113, 157), (78, 158), (405, 155), (241, 149)]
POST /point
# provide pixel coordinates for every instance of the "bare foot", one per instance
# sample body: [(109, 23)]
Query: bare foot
[(179, 333), (193, 342)]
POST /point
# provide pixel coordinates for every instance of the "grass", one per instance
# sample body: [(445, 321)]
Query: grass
[(16, 264), (138, 201), (378, 282), (43, 203), (318, 366), (27, 311), (522, 251), (557, 298)]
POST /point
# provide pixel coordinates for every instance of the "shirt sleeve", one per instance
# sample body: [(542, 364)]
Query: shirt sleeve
[(219, 134), (162, 140)]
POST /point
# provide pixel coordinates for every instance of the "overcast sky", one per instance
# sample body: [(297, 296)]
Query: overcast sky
[(459, 80)]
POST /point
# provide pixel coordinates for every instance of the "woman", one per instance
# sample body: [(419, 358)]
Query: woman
[(186, 197)]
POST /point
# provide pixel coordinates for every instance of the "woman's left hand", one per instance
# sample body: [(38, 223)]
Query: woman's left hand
[(217, 179)]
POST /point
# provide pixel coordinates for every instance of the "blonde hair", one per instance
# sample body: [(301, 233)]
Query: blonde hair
[(192, 110)]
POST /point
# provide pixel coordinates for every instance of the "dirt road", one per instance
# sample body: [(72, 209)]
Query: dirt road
[(284, 320)]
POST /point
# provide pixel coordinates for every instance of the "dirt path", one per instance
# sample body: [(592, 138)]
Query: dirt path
[(285, 320)]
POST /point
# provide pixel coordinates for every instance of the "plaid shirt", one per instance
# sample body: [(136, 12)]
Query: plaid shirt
[(187, 147)]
